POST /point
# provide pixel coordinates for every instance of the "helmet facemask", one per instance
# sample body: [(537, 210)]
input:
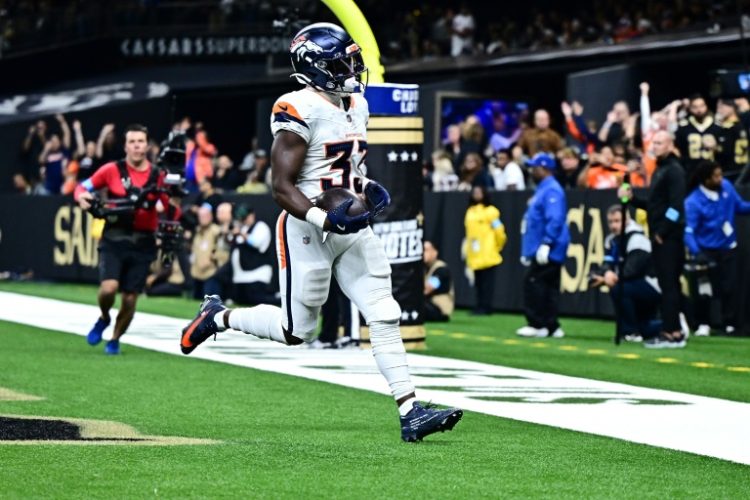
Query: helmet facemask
[(345, 74)]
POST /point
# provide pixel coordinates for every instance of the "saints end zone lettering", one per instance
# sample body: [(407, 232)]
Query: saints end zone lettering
[(583, 256), (402, 240), (73, 240)]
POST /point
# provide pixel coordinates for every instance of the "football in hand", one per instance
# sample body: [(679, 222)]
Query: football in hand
[(331, 198)]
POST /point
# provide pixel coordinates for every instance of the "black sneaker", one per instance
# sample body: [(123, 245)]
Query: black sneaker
[(423, 421), (203, 325), (679, 342), (662, 342)]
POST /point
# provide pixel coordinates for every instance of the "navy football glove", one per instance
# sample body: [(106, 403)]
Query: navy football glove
[(377, 198), (341, 223)]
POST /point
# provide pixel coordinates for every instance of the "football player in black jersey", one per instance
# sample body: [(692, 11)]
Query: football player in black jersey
[(697, 135), (732, 154)]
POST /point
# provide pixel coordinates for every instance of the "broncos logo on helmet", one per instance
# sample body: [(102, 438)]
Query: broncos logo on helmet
[(324, 56), (301, 47)]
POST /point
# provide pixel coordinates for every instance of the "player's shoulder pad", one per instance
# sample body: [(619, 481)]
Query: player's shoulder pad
[(359, 102), (292, 107)]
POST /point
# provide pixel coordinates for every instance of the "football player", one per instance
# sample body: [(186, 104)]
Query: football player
[(733, 141), (320, 141), (697, 135)]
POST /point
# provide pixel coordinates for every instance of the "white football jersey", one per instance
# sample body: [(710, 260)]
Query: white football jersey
[(336, 139)]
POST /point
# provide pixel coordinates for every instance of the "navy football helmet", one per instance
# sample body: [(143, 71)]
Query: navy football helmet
[(325, 57)]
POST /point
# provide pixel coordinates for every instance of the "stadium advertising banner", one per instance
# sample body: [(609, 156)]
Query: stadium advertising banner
[(52, 237), (202, 47), (395, 140)]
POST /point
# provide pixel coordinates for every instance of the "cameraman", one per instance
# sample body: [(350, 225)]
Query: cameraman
[(251, 260), (630, 277), (128, 245)]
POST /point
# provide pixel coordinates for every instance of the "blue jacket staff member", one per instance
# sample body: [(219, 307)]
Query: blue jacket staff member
[(711, 236), (666, 224), (544, 245)]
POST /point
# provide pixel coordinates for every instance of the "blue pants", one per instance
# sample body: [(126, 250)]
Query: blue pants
[(636, 304)]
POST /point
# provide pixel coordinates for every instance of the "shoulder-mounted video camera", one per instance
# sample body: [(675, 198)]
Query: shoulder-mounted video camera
[(172, 162), (119, 212)]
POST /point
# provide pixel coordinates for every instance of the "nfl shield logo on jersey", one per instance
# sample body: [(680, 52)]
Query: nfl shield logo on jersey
[(306, 239)]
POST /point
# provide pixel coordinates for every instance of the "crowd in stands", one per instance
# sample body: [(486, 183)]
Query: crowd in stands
[(405, 30), (55, 156), (591, 155), (225, 248)]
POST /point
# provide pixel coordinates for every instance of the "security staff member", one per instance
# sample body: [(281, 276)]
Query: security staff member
[(666, 222), (485, 239), (128, 246), (544, 246), (711, 236), (251, 260)]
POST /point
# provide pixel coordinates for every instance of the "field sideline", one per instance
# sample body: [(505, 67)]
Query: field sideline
[(288, 437)]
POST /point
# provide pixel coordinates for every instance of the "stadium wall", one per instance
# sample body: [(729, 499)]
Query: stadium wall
[(51, 236)]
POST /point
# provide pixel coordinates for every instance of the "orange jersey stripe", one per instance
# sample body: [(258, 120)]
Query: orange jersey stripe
[(285, 107), (280, 247)]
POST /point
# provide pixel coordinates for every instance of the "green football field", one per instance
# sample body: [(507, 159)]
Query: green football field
[(285, 437)]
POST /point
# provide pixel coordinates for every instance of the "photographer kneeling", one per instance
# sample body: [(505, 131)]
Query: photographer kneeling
[(133, 188), (630, 277)]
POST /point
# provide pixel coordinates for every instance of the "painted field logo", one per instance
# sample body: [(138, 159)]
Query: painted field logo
[(34, 430)]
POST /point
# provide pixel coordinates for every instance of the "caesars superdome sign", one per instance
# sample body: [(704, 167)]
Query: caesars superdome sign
[(189, 47)]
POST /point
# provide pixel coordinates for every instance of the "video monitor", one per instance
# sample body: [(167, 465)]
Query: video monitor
[(497, 115)]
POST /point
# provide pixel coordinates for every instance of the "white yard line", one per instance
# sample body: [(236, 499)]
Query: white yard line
[(706, 426)]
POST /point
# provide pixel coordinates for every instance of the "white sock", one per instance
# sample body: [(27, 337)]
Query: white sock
[(263, 321), (406, 406), (219, 320), (390, 356)]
